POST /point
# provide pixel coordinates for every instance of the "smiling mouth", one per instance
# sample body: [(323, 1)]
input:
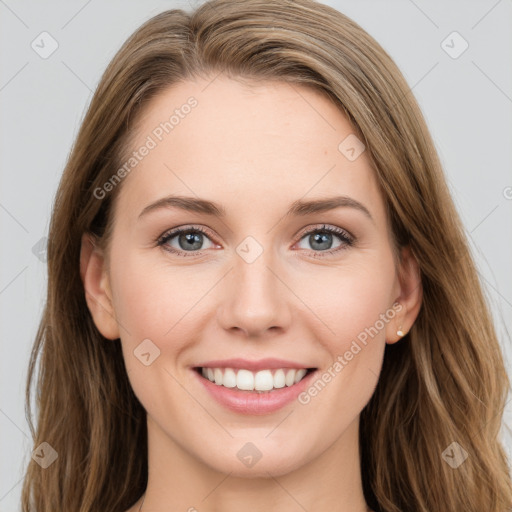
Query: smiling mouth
[(269, 381)]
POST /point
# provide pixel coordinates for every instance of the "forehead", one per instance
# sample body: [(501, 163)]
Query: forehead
[(235, 142)]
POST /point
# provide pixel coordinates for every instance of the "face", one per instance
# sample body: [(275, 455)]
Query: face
[(314, 287)]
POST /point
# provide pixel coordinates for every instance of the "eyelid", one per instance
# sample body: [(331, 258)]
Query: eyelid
[(325, 227), (185, 228)]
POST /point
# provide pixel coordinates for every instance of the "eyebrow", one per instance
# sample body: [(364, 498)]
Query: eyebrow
[(297, 208)]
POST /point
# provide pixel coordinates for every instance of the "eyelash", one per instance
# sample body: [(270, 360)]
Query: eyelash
[(347, 240)]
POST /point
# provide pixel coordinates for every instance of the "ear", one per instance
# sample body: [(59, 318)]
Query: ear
[(409, 296), (96, 283)]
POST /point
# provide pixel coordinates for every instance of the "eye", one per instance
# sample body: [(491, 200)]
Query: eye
[(188, 239), (321, 240)]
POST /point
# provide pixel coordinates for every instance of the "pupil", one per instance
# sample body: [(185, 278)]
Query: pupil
[(318, 238), (190, 240)]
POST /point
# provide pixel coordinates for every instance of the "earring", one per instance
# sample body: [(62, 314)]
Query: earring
[(400, 332)]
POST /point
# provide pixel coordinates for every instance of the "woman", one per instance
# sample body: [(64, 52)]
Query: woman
[(363, 374)]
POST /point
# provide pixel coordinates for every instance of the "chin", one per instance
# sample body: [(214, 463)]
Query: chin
[(275, 465)]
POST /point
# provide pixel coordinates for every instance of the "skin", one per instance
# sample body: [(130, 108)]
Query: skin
[(240, 147)]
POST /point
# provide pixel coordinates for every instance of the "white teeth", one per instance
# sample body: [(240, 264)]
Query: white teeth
[(246, 380), (263, 381), (217, 373), (279, 379), (290, 379), (299, 375), (229, 379)]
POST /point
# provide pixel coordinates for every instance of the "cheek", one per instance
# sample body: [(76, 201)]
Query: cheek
[(153, 301), (350, 298)]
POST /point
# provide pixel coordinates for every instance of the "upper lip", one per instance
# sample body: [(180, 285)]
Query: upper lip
[(261, 364)]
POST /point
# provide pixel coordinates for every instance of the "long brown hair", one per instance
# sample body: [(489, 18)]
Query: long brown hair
[(444, 382)]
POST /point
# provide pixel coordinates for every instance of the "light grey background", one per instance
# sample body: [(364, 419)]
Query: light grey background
[(467, 102)]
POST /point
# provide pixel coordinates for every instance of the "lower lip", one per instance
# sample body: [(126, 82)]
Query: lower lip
[(251, 402)]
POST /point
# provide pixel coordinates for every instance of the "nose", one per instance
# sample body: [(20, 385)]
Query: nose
[(255, 298)]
